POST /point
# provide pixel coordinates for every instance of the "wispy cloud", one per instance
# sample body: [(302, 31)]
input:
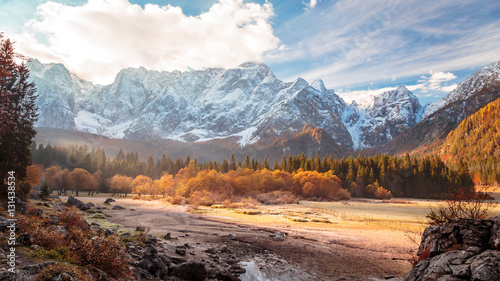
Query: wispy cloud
[(99, 38), (360, 96), (436, 82), (355, 42), (311, 3)]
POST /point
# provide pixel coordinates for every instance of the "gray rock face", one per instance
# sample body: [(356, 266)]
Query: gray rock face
[(190, 270), (461, 249), (382, 118)]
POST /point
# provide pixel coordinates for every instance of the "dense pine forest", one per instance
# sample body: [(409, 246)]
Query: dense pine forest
[(379, 176), (477, 141)]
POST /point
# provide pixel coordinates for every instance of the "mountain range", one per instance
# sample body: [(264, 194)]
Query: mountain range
[(250, 107)]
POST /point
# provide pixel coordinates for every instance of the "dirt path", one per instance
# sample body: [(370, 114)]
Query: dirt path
[(306, 253)]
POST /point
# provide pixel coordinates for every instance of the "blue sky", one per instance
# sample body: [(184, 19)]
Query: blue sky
[(357, 47)]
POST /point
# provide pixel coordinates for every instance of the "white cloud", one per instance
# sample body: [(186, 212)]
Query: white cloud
[(311, 4), (101, 37), (436, 82), (361, 96), (428, 86), (356, 41)]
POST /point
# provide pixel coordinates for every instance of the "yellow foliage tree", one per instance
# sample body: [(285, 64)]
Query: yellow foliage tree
[(142, 184)]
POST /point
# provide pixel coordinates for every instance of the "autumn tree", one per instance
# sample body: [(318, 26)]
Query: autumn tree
[(167, 185), (80, 179), (33, 175), (120, 184), (314, 184), (57, 179), (18, 114), (96, 182), (142, 185)]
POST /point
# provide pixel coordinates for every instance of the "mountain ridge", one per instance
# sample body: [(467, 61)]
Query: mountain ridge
[(247, 103)]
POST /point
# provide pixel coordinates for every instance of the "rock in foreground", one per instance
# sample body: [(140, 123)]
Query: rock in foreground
[(461, 249)]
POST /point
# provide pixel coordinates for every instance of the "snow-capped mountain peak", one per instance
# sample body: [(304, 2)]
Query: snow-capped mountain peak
[(381, 117), (319, 85), (475, 83), (247, 102)]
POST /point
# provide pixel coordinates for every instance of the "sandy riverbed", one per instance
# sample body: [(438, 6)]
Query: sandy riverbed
[(320, 251)]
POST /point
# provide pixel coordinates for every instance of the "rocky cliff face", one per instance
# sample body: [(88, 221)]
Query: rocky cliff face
[(382, 118), (440, 118), (461, 249), (249, 104)]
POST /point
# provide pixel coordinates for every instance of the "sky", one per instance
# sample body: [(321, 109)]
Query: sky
[(357, 47)]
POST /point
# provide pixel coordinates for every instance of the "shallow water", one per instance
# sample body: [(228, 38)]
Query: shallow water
[(254, 273)]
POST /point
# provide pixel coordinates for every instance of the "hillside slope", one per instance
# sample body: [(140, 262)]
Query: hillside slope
[(477, 141), (471, 95)]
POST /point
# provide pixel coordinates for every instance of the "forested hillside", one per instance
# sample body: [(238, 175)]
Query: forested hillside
[(476, 140)]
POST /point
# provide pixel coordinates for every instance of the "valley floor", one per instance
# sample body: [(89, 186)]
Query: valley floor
[(330, 247)]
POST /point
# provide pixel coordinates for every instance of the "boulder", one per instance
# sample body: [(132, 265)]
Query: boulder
[(461, 249), (25, 239), (109, 200), (72, 201), (145, 264), (226, 276), (87, 206), (150, 239), (180, 251), (278, 236), (190, 270), (117, 207)]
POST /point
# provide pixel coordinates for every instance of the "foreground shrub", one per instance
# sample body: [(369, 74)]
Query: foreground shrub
[(463, 203), (59, 254), (72, 240), (100, 251), (51, 272)]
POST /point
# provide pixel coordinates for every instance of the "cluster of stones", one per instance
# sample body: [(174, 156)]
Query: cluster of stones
[(461, 249)]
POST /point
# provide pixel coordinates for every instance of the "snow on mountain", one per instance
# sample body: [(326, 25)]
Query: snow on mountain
[(475, 83), (247, 102), (381, 117)]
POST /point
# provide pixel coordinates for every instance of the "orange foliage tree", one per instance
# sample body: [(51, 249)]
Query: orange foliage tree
[(313, 184), (33, 175), (57, 179), (80, 179), (142, 185), (120, 184)]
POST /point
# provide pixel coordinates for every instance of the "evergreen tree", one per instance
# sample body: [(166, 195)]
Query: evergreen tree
[(283, 163), (246, 163), (45, 190), (18, 114), (265, 164), (224, 166), (232, 163)]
